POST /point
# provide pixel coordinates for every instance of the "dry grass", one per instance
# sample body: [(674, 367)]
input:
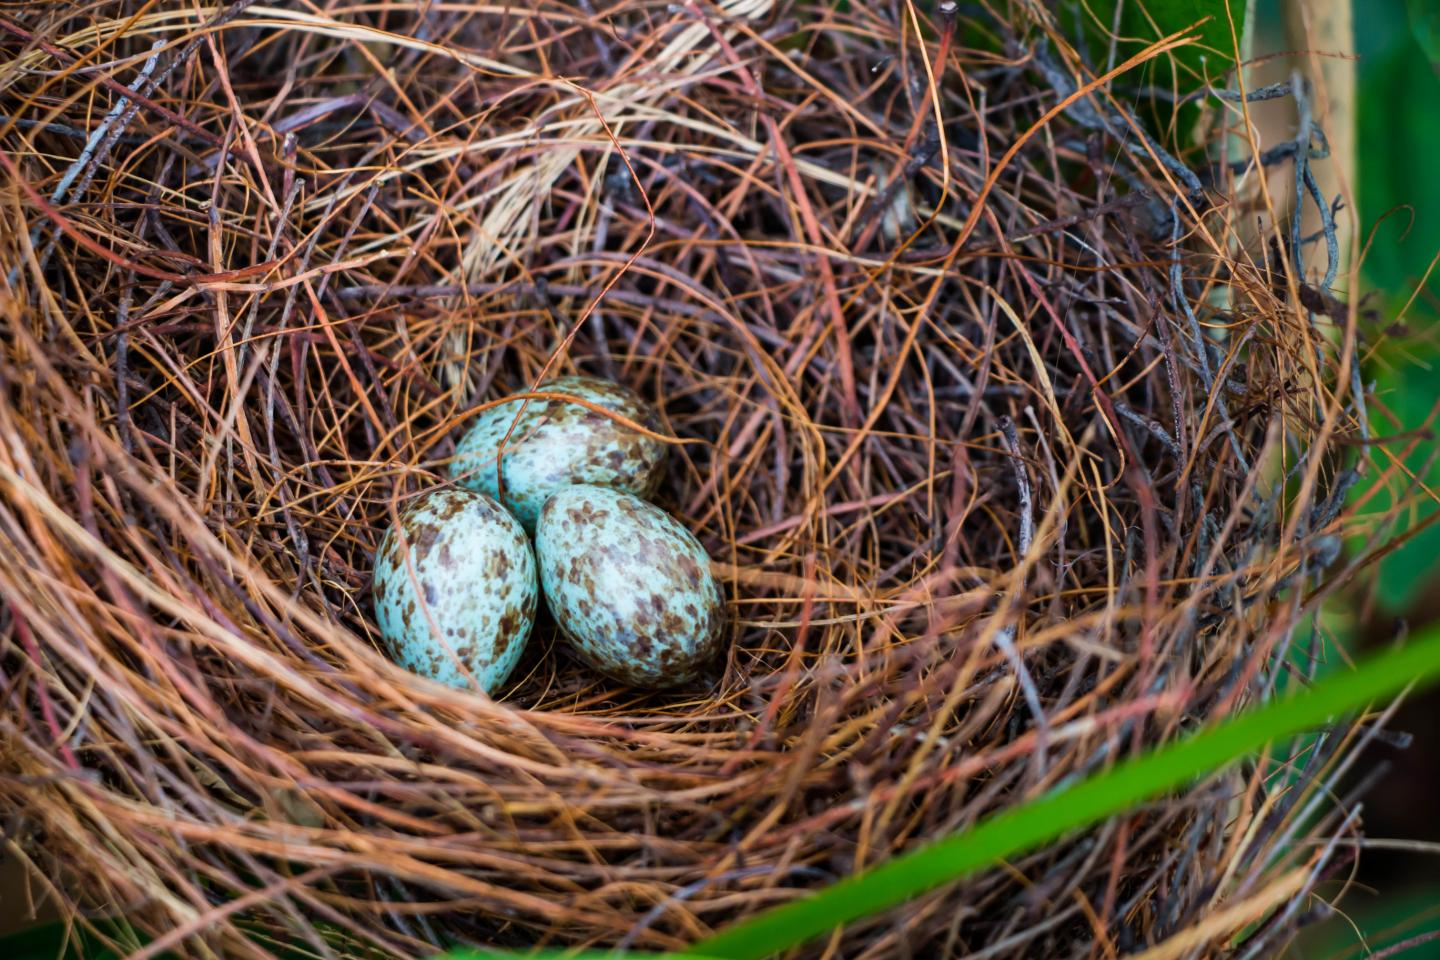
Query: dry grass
[(989, 511)]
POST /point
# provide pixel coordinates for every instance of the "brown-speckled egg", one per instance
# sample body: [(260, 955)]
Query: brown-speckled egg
[(455, 589), (556, 444), (629, 586)]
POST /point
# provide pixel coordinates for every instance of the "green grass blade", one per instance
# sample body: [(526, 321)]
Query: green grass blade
[(1056, 814)]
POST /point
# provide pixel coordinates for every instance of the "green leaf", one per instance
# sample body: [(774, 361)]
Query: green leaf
[(1142, 22), (1408, 393), (1181, 71), (1398, 141)]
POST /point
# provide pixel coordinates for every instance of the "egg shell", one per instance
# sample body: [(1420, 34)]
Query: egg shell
[(467, 594), (556, 444), (629, 586)]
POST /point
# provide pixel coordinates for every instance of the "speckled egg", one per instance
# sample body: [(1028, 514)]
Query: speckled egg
[(629, 586), (455, 589), (556, 444)]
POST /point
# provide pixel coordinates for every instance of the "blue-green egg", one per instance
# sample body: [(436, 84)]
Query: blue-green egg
[(556, 444), (455, 589), (629, 586)]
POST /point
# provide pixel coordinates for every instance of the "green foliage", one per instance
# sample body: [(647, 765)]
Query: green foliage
[(1398, 145), (1425, 25), (1141, 23), (1398, 140)]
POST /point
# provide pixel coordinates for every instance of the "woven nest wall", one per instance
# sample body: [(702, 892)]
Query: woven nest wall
[(1013, 459)]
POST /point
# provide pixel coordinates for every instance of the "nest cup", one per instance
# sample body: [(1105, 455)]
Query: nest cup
[(982, 424)]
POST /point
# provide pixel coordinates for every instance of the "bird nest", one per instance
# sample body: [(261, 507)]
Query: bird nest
[(1013, 456)]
